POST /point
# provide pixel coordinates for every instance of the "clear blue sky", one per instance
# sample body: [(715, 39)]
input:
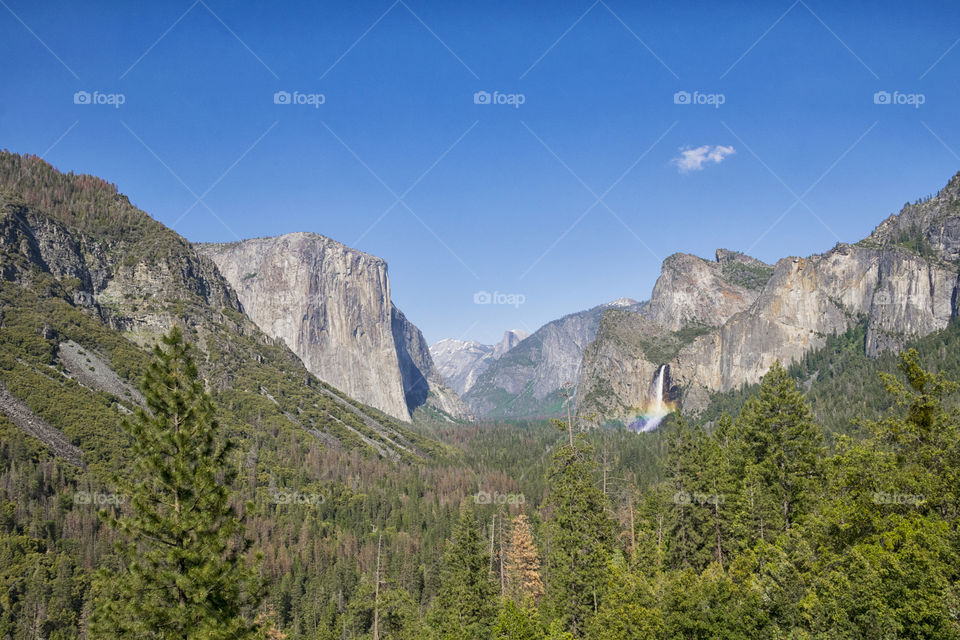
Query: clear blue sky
[(495, 186)]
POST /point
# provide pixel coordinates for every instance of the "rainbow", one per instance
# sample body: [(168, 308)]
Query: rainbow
[(650, 417)]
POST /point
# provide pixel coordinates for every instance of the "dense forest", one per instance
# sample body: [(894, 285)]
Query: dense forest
[(756, 526), (235, 495)]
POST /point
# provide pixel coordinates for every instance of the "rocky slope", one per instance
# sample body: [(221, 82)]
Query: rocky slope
[(422, 383), (527, 380), (900, 283), (460, 362), (87, 281), (331, 305), (691, 290)]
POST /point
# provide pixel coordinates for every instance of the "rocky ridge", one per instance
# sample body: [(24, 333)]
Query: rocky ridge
[(88, 282), (460, 362), (720, 326), (528, 380)]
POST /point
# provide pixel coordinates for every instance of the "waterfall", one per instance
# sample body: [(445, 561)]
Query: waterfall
[(658, 406), (658, 394)]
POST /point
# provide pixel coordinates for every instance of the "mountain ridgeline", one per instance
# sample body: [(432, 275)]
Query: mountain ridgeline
[(529, 379), (89, 284), (721, 325), (715, 324), (750, 520)]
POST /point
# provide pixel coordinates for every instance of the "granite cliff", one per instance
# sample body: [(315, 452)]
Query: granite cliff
[(720, 325), (529, 378), (331, 305), (89, 282)]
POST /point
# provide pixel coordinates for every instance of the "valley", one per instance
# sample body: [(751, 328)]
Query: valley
[(359, 451)]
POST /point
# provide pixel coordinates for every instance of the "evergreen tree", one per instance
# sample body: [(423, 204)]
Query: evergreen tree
[(523, 563), (465, 606), (890, 538), (580, 536), (780, 451), (629, 610), (184, 572), (688, 526), (517, 622)]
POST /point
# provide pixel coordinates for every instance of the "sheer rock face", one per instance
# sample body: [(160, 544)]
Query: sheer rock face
[(331, 305), (616, 373), (527, 379), (691, 290), (422, 382), (902, 281), (900, 295)]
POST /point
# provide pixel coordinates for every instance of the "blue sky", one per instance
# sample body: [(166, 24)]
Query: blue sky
[(565, 201)]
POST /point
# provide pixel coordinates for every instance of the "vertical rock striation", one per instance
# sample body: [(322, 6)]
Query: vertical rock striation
[(331, 305), (721, 325)]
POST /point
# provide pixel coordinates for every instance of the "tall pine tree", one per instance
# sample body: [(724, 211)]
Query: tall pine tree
[(466, 605), (780, 450), (580, 535), (183, 571)]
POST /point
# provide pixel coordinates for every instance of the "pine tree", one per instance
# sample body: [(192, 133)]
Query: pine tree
[(890, 551), (780, 451), (580, 536), (465, 606), (523, 563), (700, 485), (517, 622), (629, 610), (687, 525), (184, 572)]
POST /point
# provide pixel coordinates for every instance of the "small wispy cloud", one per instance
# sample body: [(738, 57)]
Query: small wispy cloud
[(694, 158)]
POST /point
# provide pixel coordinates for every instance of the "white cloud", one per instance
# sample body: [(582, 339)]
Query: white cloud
[(693, 159)]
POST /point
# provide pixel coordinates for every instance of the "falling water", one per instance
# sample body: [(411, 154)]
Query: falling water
[(657, 409), (658, 384)]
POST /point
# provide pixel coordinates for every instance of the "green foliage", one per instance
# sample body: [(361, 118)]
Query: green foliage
[(914, 240), (465, 607), (517, 622), (780, 450), (665, 348), (743, 528), (750, 276), (185, 569), (629, 609), (580, 536)]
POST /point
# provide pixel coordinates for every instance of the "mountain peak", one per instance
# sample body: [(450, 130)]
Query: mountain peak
[(511, 338), (928, 227)]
